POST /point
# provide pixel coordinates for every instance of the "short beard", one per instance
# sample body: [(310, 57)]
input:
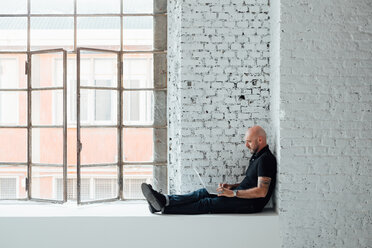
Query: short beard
[(252, 151)]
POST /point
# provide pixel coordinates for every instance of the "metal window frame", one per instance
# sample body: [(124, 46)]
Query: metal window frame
[(79, 126), (30, 126), (159, 48)]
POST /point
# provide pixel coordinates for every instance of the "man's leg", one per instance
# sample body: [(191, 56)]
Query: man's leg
[(158, 201), (195, 196), (214, 204), (202, 206)]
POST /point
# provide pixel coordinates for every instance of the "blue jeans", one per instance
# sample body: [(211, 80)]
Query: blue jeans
[(201, 202)]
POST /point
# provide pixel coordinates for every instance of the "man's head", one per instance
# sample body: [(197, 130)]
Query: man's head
[(255, 139)]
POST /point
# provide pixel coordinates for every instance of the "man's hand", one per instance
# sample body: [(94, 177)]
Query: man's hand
[(222, 191), (225, 185)]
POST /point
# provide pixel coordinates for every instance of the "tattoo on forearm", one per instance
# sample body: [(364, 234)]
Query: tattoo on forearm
[(264, 182)]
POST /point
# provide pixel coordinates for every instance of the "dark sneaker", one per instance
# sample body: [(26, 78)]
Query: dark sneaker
[(156, 200), (152, 210)]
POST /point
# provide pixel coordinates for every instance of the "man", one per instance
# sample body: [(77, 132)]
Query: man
[(249, 196)]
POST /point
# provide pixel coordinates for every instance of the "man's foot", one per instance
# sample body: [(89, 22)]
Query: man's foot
[(152, 210), (154, 198)]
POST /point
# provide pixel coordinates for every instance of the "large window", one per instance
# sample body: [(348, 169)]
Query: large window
[(82, 99)]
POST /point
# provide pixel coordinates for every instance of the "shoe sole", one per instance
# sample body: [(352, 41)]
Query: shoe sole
[(150, 197)]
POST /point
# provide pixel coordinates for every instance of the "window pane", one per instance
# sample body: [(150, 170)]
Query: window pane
[(138, 33), (98, 107), (13, 33), (98, 69), (47, 70), (52, 6), (13, 108), (12, 182), (103, 182), (52, 32), (103, 105), (133, 177), (72, 188), (138, 71), (12, 71), (99, 145), (138, 6), (71, 87), (13, 7), (98, 7), (138, 107), (99, 32), (47, 145), (47, 107), (138, 144), (44, 179), (13, 145)]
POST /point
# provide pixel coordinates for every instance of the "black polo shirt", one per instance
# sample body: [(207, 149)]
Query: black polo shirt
[(262, 164)]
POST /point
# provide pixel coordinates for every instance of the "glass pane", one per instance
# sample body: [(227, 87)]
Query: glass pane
[(99, 145), (138, 144), (13, 7), (138, 34), (138, 107), (12, 71), (98, 69), (99, 32), (52, 32), (71, 151), (133, 177), (47, 70), (138, 71), (98, 107), (13, 33), (44, 182), (47, 107), (103, 183), (71, 85), (47, 145), (13, 108), (12, 182), (138, 6), (52, 6), (13, 145), (72, 188), (98, 7)]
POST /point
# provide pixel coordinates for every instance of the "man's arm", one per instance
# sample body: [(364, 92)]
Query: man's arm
[(257, 192)]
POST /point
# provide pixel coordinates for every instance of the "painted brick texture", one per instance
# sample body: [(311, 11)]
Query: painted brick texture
[(221, 87), (325, 175), (312, 93)]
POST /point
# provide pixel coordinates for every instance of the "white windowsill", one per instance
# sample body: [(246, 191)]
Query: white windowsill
[(111, 209)]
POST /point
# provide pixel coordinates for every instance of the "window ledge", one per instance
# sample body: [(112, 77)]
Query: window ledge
[(112, 209)]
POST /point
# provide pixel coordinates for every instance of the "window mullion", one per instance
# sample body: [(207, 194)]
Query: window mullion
[(64, 126), (120, 120)]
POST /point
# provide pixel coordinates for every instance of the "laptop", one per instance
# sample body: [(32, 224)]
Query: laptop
[(210, 189)]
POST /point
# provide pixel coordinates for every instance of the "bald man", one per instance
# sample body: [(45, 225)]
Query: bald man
[(248, 196)]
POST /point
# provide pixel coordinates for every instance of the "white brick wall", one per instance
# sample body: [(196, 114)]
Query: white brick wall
[(221, 87), (326, 124), (314, 100)]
